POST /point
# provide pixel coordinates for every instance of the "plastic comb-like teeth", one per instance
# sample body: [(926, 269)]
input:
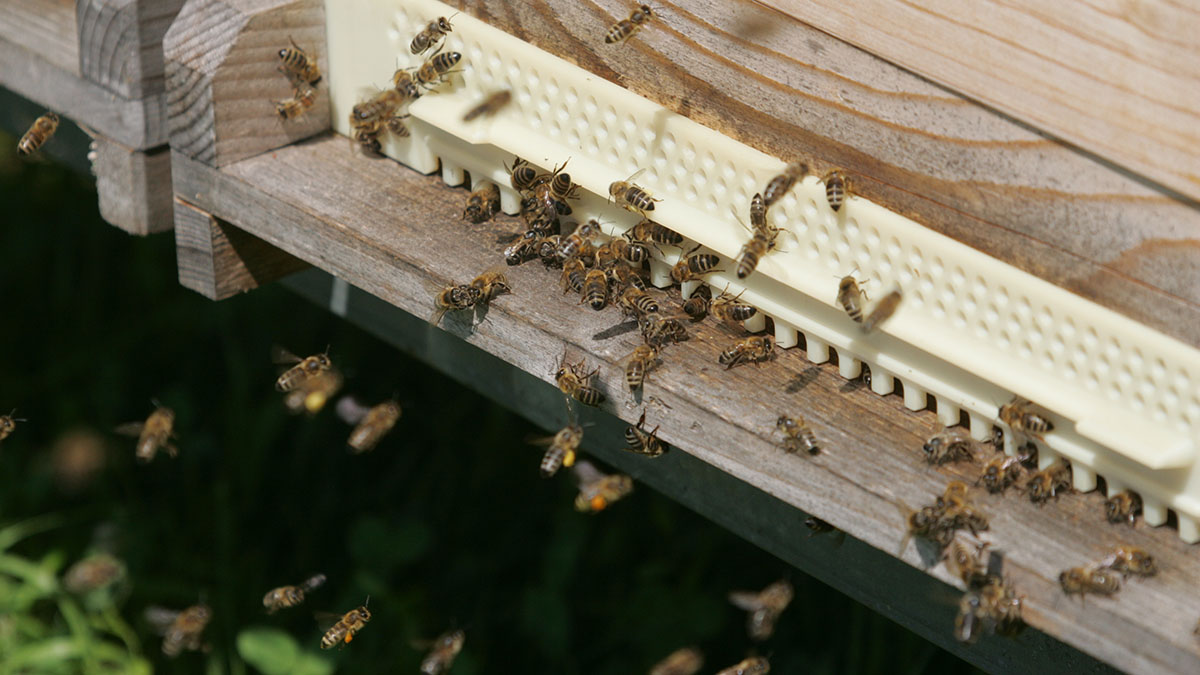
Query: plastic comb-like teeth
[(452, 174), (1083, 479), (1047, 457), (1189, 530), (948, 413), (1154, 511), (882, 382), (510, 201), (758, 323), (660, 273), (981, 428), (848, 366), (818, 349), (915, 398)]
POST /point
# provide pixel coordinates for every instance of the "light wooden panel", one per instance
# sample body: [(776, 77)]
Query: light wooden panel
[(134, 187), (120, 43), (46, 27)]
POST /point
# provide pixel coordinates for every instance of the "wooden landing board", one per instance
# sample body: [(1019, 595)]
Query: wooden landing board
[(397, 235)]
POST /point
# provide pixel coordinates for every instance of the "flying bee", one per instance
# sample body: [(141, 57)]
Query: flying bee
[(562, 451), (950, 445), (489, 106), (837, 188), (445, 650), (595, 289), (698, 304), (490, 285), (297, 65), (573, 380), (1049, 482), (93, 573), (482, 204), (39, 132), (454, 297), (573, 275), (1122, 507), (966, 562), (1000, 473), (314, 392), (430, 35), (373, 426), (659, 329), (433, 71), (626, 28), (631, 197), (727, 308), (851, 297), (753, 349), (755, 665), (180, 630), (694, 266), (638, 302), (1131, 560), (302, 370), (299, 103), (797, 435), (780, 185), (882, 311), (8, 423), (765, 606), (597, 490), (650, 231), (521, 174), (685, 661), (290, 596), (1091, 579), (1020, 416), (156, 432), (643, 442), (344, 629)]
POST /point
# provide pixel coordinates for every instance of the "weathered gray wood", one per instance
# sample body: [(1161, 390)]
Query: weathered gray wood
[(218, 260), (960, 168), (134, 187), (870, 576), (120, 43), (222, 77), (392, 233), (44, 27)]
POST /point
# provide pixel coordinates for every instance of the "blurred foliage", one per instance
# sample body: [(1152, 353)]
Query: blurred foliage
[(444, 525)]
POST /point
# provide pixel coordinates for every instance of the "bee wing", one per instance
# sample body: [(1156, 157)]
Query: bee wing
[(313, 583), (282, 357), (160, 618), (130, 428), (350, 410), (326, 620), (747, 600), (586, 473), (539, 440)]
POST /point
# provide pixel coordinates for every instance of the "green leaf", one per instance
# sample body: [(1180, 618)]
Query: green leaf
[(311, 664), (270, 650)]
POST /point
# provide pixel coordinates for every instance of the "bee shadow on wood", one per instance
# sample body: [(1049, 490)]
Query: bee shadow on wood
[(802, 379), (928, 551), (459, 323), (616, 331), (860, 382)]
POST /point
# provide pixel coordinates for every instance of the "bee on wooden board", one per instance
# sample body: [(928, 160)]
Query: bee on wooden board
[(482, 204), (692, 265), (764, 607), (433, 72), (643, 442), (1048, 482), (490, 285), (727, 308), (605, 256), (1123, 507), (755, 665), (626, 28), (948, 514), (638, 302), (562, 450), (640, 363), (797, 436), (547, 251), (573, 380), (699, 303), (372, 426), (630, 196), (290, 596), (573, 274), (883, 310), (39, 132), (597, 490), (659, 329), (301, 101), (950, 445), (489, 106), (453, 297), (520, 251), (818, 526), (837, 189), (344, 629), (753, 349), (1002, 472), (685, 661), (93, 573), (433, 32), (302, 369), (650, 231), (851, 297), (992, 604), (781, 184), (298, 66), (180, 630), (1131, 560), (8, 423), (622, 278), (1090, 579), (578, 242), (155, 433), (314, 392), (595, 289), (965, 561), (441, 656), (1020, 416)]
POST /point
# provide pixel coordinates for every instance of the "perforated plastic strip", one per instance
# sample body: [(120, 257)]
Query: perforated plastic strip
[(971, 331)]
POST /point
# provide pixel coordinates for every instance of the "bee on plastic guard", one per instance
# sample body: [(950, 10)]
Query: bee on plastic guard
[(430, 35)]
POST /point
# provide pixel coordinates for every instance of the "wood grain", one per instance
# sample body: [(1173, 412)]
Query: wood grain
[(44, 27), (1119, 79), (959, 167), (120, 43), (218, 260), (383, 229), (134, 187), (222, 77)]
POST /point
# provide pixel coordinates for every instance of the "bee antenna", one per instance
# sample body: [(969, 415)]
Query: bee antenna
[(155, 403), (368, 601)]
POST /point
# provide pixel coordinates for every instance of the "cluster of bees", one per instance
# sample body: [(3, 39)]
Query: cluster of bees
[(303, 73)]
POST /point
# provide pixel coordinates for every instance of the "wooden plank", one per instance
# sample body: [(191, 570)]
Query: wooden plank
[(44, 27), (960, 168), (134, 187), (218, 260), (384, 229), (870, 576), (1121, 80), (223, 78), (120, 43)]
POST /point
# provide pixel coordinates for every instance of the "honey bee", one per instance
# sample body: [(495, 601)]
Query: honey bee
[(780, 185), (561, 186), (303, 369), (377, 109), (433, 71), (300, 102), (373, 426), (1001, 604), (520, 251), (597, 491), (489, 285), (367, 139), (650, 231), (1091, 579), (605, 256), (1001, 472), (1122, 507), (625, 28), (641, 362), (445, 650), (453, 297), (970, 616), (818, 526), (837, 188), (622, 278), (430, 35), (1049, 482), (181, 630), (950, 513), (39, 132), (595, 289), (634, 253), (658, 329), (695, 266), (156, 432), (489, 106), (850, 297), (755, 665), (764, 606), (403, 82), (1131, 560), (297, 65), (950, 445), (573, 275), (482, 204), (395, 124), (727, 308), (578, 242), (753, 251), (882, 311), (314, 392), (547, 250), (1020, 416), (93, 573), (685, 661), (573, 381), (698, 304), (290, 596), (755, 348), (797, 435), (643, 442), (344, 629), (562, 451), (521, 175), (638, 302), (631, 197), (966, 562), (8, 423)]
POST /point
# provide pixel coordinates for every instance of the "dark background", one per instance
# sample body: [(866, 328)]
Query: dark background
[(445, 524)]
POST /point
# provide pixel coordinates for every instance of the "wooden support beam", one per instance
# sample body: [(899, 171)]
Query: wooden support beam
[(134, 187), (385, 230), (42, 27), (120, 43), (218, 260), (223, 79)]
